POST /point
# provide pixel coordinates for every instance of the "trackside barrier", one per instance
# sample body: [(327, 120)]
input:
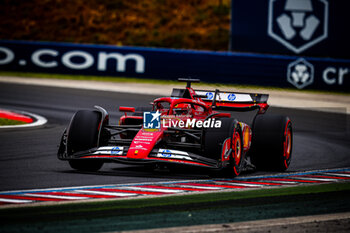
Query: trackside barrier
[(219, 67)]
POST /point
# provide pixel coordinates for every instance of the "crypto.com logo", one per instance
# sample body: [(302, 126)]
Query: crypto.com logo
[(300, 73), (298, 24)]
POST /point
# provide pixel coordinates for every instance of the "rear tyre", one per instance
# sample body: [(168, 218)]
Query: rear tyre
[(272, 142), (83, 135), (217, 143)]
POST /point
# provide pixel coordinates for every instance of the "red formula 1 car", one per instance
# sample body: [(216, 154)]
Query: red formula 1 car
[(187, 128)]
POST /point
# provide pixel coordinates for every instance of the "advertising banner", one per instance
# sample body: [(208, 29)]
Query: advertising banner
[(313, 28), (171, 64)]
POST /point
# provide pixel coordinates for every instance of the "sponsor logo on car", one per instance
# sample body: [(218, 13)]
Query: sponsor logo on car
[(109, 150), (209, 95), (231, 97), (174, 154), (117, 150), (165, 153)]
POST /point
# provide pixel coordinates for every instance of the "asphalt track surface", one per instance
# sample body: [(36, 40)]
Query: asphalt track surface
[(28, 156)]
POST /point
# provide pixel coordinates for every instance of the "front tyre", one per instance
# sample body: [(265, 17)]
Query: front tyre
[(83, 135), (86, 165), (272, 142), (233, 160), (225, 145), (236, 157)]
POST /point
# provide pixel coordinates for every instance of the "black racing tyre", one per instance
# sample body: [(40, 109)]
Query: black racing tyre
[(90, 165), (83, 135), (272, 142), (217, 141)]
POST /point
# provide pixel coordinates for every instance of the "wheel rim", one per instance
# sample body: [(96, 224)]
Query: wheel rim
[(288, 144), (238, 149)]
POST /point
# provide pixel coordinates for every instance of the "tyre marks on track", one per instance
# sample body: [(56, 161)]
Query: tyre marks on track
[(8, 198)]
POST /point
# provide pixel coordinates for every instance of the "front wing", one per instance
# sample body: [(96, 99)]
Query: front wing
[(118, 154)]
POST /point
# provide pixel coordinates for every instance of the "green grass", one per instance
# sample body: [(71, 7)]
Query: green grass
[(158, 81), (4, 121)]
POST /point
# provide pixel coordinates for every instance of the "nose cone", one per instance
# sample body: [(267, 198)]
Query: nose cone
[(298, 5), (143, 144)]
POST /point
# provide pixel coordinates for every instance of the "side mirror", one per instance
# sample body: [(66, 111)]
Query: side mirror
[(223, 114), (126, 109)]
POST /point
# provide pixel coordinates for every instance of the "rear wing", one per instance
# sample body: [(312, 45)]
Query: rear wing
[(234, 100)]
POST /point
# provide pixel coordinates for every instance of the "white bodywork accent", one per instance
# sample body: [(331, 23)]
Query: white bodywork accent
[(109, 150), (173, 154), (230, 97)]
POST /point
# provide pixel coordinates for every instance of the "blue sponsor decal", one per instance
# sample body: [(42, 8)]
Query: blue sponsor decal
[(166, 153), (231, 97), (116, 151), (209, 95), (151, 120)]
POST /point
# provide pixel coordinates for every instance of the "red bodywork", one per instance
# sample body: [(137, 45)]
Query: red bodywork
[(197, 108), (188, 128)]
